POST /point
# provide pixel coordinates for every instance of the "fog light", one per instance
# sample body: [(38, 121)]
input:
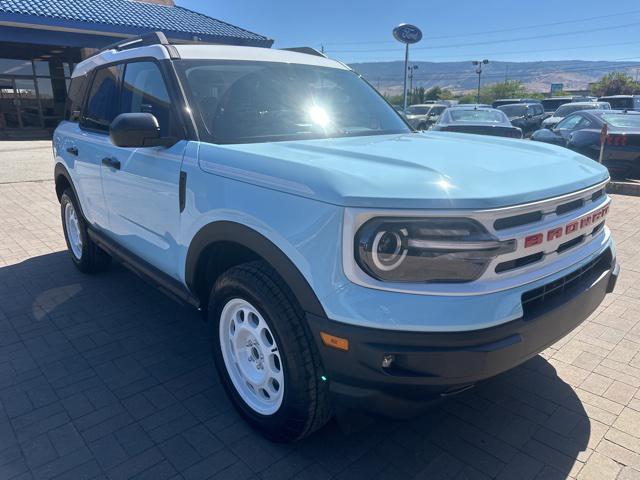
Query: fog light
[(387, 360)]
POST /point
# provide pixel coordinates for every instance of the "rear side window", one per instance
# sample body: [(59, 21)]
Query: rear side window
[(102, 103), (144, 91), (77, 89)]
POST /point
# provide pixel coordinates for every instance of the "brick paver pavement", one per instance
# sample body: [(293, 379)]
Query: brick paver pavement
[(102, 376)]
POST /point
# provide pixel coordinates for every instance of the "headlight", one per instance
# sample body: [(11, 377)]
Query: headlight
[(426, 250)]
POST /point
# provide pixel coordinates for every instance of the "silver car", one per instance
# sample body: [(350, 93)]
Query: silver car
[(423, 116)]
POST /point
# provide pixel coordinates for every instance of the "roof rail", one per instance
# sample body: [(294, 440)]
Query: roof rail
[(307, 50), (150, 38)]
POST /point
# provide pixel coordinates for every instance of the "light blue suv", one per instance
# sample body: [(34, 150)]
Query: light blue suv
[(342, 259)]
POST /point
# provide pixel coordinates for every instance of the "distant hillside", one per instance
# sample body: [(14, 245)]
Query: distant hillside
[(460, 76)]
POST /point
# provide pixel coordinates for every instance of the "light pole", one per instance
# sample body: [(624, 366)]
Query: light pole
[(412, 68), (478, 64)]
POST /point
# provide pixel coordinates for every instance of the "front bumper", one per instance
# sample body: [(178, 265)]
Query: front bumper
[(429, 366)]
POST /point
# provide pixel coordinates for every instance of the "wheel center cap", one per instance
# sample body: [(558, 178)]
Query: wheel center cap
[(254, 354)]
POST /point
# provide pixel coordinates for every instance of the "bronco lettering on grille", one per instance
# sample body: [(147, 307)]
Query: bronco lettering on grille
[(569, 228)]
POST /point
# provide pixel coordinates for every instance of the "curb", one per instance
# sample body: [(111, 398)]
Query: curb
[(624, 188)]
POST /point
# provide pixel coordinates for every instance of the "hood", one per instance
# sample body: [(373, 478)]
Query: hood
[(418, 170)]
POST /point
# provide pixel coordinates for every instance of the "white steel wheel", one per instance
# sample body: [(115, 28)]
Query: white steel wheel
[(73, 230), (251, 356)]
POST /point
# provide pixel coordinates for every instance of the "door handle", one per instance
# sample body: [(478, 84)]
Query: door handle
[(111, 163), (73, 151)]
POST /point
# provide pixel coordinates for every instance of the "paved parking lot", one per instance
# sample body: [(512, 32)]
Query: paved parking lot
[(102, 376)]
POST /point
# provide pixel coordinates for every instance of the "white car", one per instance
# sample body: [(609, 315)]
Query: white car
[(569, 108)]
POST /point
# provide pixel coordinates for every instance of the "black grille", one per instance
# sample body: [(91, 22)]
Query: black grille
[(571, 243), (597, 195), (567, 207), (535, 298), (517, 220), (519, 262)]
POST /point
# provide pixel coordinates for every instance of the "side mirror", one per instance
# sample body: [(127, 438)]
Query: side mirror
[(135, 130)]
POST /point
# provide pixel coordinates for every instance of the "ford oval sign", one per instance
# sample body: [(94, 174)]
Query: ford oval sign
[(407, 33)]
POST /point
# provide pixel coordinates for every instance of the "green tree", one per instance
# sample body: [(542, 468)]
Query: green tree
[(434, 93), (508, 89), (616, 83), (418, 95)]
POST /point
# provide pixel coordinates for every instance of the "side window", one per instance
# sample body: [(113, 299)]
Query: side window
[(75, 96), (570, 122), (102, 105), (144, 91), (584, 123)]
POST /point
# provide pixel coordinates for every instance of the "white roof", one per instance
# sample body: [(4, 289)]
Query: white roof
[(255, 54), (208, 52)]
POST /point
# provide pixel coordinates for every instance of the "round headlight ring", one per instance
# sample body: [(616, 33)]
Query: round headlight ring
[(388, 240)]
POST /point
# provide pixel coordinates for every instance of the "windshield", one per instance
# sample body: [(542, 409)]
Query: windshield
[(565, 110), (514, 110), (482, 116), (417, 110), (622, 120), (247, 102)]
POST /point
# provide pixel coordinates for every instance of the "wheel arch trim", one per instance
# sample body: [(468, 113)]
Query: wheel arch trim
[(228, 231), (61, 171)]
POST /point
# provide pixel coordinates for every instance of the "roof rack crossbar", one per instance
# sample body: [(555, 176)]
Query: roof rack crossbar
[(150, 38)]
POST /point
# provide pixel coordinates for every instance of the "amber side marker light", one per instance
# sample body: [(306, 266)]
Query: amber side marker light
[(334, 342)]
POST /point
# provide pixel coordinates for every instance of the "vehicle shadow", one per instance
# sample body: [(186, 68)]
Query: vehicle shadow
[(117, 359)]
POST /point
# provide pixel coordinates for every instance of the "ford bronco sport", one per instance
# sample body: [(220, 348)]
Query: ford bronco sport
[(342, 259)]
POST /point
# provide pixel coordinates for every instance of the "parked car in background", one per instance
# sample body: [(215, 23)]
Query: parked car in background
[(622, 102), (472, 105), (422, 116), (569, 108), (478, 120), (581, 132), (551, 104), (416, 115), (526, 116), (435, 112), (509, 101)]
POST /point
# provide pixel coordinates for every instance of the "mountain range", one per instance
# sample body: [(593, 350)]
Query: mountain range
[(461, 76)]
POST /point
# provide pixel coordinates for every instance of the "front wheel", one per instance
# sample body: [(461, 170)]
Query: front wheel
[(264, 354)]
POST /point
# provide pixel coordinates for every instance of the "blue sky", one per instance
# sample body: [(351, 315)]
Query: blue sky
[(357, 30)]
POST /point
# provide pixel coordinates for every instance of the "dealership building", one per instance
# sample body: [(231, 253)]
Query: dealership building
[(41, 41)]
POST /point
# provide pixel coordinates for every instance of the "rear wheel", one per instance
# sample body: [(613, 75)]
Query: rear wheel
[(86, 255), (266, 358)]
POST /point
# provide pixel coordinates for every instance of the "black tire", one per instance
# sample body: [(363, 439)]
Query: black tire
[(305, 405), (92, 258)]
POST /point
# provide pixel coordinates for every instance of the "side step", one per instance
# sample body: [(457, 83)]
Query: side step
[(168, 285)]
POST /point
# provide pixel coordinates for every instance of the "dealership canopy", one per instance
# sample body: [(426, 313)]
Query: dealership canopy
[(42, 40)]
